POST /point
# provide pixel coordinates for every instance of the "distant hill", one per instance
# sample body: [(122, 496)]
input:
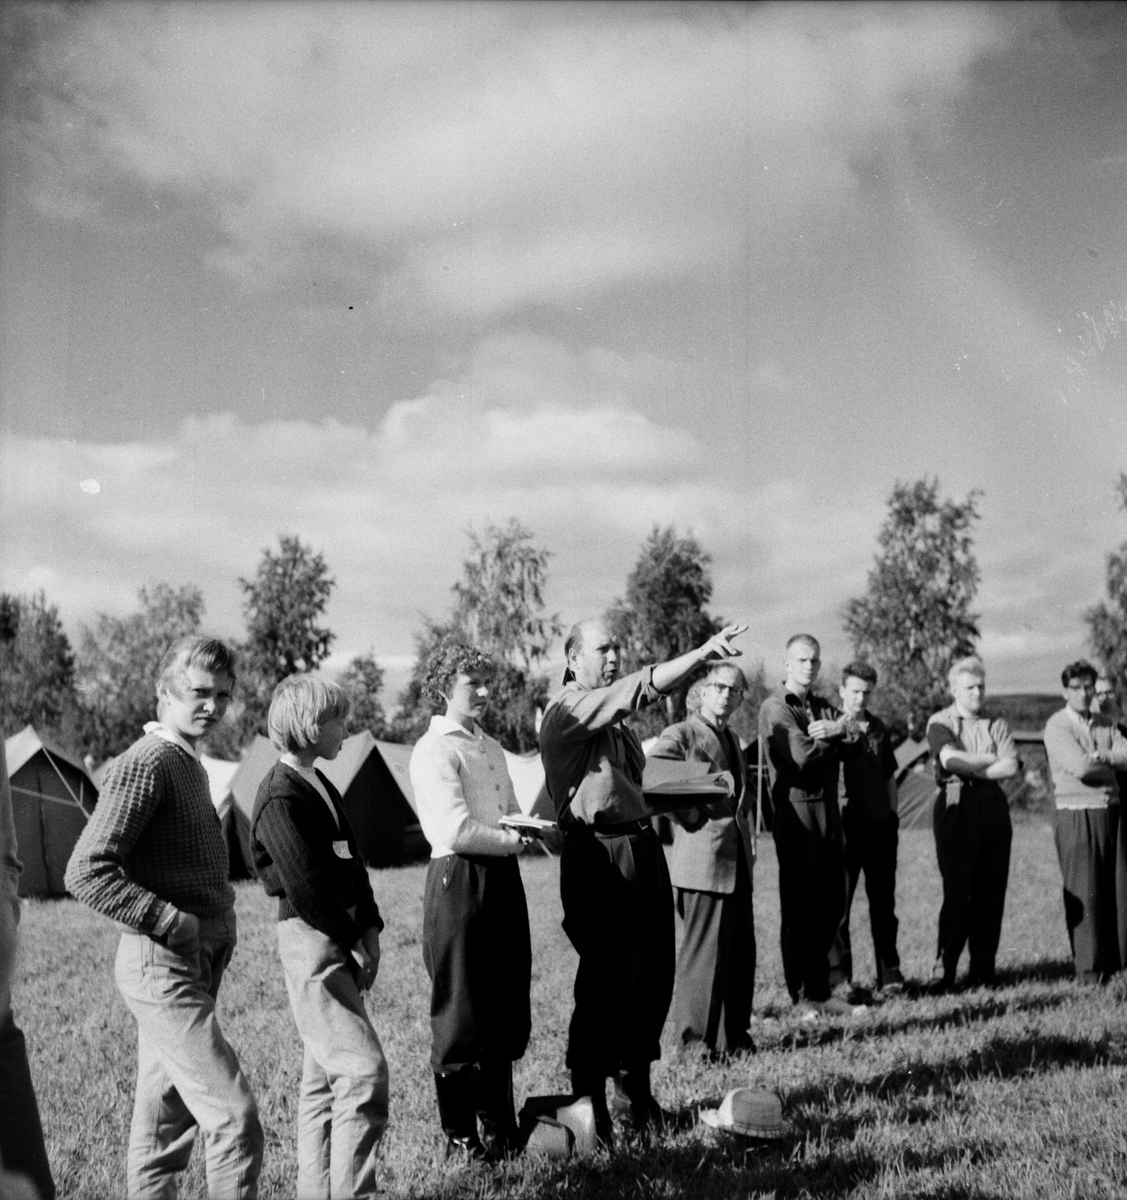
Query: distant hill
[(1025, 712)]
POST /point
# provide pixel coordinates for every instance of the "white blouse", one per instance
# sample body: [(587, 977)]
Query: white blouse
[(462, 788)]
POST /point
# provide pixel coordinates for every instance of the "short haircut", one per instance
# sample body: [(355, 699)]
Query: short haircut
[(197, 650), (574, 638), (717, 667), (302, 705), (693, 698), (859, 670), (807, 639), (1080, 669), (449, 659), (971, 664)]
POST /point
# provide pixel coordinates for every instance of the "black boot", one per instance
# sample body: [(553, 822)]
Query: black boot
[(595, 1086), (634, 1102), (456, 1113), (496, 1109)]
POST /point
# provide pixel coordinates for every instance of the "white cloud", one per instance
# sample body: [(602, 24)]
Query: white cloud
[(486, 157), (389, 506)]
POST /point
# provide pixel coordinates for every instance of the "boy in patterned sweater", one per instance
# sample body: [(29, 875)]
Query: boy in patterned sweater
[(153, 860)]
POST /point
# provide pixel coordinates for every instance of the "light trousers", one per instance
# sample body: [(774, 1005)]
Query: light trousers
[(188, 1076), (342, 1108)]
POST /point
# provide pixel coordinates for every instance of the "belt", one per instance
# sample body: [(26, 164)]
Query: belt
[(626, 829)]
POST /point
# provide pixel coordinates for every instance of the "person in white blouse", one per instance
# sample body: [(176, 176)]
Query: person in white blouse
[(476, 943)]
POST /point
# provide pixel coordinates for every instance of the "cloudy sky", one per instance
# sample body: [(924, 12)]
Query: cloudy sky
[(374, 274)]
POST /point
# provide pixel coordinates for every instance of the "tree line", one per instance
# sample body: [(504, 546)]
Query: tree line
[(915, 616)]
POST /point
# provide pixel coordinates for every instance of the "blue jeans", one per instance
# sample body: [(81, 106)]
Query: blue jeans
[(342, 1109), (187, 1074)]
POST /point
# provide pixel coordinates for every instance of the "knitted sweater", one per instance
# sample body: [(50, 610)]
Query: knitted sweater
[(1077, 781), (295, 843), (154, 839)]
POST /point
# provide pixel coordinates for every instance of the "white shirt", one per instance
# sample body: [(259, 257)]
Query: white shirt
[(170, 735), (462, 788)]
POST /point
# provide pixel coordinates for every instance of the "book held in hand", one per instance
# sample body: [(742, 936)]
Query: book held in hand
[(528, 826), (669, 784)]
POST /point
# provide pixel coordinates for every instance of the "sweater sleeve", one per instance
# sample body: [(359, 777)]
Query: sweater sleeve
[(97, 875)]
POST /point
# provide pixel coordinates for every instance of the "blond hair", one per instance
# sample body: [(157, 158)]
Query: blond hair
[(300, 708)]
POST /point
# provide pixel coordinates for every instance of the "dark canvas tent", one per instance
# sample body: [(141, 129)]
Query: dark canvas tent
[(52, 796), (373, 781)]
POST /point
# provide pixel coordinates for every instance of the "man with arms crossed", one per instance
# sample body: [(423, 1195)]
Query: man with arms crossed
[(803, 738), (1084, 748), (154, 860), (870, 828), (711, 868), (972, 825), (614, 882)]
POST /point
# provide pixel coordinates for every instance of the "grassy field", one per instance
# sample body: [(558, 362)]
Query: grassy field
[(1017, 1092)]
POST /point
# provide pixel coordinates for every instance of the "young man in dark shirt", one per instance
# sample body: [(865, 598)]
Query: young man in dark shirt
[(870, 828)]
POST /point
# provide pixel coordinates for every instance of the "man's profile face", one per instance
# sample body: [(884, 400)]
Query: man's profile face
[(855, 695), (803, 664), (1079, 694), (594, 663)]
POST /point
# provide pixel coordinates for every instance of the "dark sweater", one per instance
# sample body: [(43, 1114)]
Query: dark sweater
[(291, 837), (154, 839)]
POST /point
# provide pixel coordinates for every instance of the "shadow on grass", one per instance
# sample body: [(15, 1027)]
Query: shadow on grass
[(916, 1087), (958, 1008), (716, 1169)]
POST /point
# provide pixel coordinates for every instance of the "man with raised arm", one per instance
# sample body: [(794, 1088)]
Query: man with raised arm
[(154, 860), (803, 739), (972, 825), (614, 882)]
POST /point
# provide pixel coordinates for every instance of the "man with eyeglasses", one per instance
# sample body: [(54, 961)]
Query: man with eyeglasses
[(1084, 748), (711, 868)]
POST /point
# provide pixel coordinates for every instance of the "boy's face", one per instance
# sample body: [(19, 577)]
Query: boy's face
[(327, 745), (855, 695), (198, 703), (1079, 692), (969, 692)]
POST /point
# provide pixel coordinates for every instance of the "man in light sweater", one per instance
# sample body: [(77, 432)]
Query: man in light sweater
[(153, 859), (1084, 748)]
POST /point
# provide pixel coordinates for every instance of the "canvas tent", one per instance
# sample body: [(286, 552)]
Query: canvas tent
[(373, 781), (220, 772), (52, 797)]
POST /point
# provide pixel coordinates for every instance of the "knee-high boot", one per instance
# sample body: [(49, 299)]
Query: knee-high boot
[(456, 1112), (496, 1108)]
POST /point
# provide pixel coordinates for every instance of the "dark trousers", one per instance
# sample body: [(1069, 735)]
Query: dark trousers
[(1092, 849), (972, 843), (870, 848), (478, 955), (21, 1134), (716, 965), (811, 892), (618, 914)]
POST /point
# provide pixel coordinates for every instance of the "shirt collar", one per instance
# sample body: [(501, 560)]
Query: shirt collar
[(440, 723), (170, 735)]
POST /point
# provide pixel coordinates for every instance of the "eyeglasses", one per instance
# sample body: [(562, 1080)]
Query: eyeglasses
[(1080, 685), (727, 687)]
